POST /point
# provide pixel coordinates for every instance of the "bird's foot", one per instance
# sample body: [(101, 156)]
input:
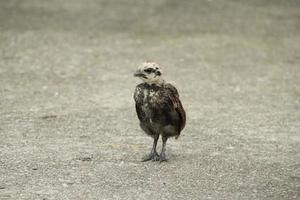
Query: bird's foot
[(162, 157), (152, 156)]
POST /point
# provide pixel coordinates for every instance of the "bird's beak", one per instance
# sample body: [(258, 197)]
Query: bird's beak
[(138, 74)]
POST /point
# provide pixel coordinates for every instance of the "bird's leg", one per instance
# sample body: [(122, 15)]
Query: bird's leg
[(162, 156), (153, 154)]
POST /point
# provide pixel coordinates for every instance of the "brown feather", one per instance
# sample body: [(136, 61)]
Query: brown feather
[(174, 96)]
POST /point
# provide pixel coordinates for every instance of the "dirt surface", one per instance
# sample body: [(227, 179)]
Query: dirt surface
[(68, 128)]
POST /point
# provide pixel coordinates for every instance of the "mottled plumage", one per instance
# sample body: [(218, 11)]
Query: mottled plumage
[(158, 108)]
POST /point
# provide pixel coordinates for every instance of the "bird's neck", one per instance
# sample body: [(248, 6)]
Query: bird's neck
[(158, 82)]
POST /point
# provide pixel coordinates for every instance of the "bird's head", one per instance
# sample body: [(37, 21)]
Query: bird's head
[(150, 73)]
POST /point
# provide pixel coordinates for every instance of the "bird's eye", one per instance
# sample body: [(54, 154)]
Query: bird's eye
[(148, 70)]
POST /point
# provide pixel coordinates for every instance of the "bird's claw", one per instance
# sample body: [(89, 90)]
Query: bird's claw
[(151, 156), (162, 158)]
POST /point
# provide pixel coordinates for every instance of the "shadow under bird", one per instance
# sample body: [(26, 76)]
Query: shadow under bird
[(158, 108)]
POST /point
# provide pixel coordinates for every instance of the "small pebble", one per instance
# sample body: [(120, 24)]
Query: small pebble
[(48, 116), (85, 159)]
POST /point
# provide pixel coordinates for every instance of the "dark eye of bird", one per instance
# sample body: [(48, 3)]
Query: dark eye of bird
[(148, 70)]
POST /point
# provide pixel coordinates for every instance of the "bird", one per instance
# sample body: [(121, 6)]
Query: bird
[(158, 107)]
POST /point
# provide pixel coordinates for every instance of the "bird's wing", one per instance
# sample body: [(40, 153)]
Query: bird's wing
[(176, 103), (138, 96), (139, 112)]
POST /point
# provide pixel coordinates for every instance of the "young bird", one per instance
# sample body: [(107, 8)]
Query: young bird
[(158, 108)]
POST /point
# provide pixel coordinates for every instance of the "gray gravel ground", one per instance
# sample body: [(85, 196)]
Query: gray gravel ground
[(68, 128)]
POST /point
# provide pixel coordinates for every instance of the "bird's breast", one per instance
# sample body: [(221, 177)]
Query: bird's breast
[(150, 100), (151, 97)]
